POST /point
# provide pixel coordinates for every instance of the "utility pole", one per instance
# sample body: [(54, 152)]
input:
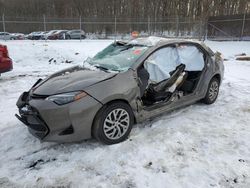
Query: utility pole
[(44, 27), (206, 30), (244, 20), (80, 27), (149, 26), (177, 26), (44, 23), (3, 22), (243, 24), (3, 25), (115, 29), (155, 23), (201, 30)]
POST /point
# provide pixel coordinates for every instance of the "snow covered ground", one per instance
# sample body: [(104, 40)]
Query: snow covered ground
[(198, 146)]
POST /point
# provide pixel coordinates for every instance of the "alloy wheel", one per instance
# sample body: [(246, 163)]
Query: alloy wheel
[(213, 90), (116, 124)]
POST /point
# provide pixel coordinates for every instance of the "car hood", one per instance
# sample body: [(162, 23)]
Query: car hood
[(72, 79)]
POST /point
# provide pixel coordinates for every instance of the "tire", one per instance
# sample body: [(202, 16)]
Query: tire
[(67, 37), (212, 91), (106, 127), (83, 37)]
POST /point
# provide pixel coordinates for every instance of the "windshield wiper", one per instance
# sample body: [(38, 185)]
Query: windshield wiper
[(120, 43), (102, 68), (128, 46)]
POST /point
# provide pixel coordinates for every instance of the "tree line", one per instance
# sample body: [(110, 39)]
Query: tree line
[(123, 10)]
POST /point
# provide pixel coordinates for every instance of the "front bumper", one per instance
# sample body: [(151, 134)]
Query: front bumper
[(30, 117), (61, 123)]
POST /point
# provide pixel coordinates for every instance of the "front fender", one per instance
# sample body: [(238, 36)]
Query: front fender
[(124, 86)]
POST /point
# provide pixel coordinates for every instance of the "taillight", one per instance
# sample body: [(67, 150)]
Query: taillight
[(4, 51)]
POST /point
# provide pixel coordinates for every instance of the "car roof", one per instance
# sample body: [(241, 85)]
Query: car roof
[(59, 31), (75, 30), (161, 41), (52, 31), (17, 34), (155, 41)]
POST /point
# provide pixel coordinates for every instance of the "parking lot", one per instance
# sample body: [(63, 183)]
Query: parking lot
[(198, 146)]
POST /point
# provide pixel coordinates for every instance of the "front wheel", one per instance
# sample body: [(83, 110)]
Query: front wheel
[(212, 92), (113, 123)]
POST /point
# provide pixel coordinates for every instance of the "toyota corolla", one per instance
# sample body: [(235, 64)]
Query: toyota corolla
[(126, 83)]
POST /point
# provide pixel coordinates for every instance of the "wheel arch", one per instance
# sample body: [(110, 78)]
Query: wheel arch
[(218, 76), (108, 103)]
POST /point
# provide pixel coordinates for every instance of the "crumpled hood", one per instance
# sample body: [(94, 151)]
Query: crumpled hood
[(72, 79)]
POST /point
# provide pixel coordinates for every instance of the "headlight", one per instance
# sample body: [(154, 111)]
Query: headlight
[(66, 98)]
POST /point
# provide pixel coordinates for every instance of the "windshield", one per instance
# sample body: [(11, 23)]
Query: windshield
[(117, 56)]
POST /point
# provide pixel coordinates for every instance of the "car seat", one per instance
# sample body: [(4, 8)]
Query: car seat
[(164, 89)]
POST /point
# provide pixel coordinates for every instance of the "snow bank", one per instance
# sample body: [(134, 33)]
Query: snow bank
[(197, 146), (230, 49)]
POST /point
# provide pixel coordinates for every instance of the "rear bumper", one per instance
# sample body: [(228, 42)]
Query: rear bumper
[(50, 122), (5, 65)]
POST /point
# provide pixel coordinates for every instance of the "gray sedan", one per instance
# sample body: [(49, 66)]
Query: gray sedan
[(75, 34), (6, 36), (126, 83)]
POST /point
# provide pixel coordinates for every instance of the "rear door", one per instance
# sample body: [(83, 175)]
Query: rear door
[(168, 60), (159, 65), (76, 34)]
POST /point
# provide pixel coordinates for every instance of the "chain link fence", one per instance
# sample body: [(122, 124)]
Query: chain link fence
[(105, 28), (234, 27)]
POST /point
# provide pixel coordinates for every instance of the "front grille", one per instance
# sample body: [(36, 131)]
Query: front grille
[(36, 123), (39, 134), (35, 96), (31, 117)]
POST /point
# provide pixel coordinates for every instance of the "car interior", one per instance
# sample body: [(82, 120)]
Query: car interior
[(170, 73)]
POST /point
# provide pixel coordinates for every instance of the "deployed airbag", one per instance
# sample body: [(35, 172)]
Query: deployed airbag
[(191, 57), (162, 62)]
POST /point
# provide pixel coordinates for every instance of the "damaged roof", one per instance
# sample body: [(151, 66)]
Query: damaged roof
[(153, 40)]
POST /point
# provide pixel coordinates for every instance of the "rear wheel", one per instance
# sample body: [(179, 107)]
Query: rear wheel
[(113, 123), (83, 37), (212, 92)]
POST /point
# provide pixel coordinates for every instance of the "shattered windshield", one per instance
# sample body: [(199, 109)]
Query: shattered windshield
[(117, 56)]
